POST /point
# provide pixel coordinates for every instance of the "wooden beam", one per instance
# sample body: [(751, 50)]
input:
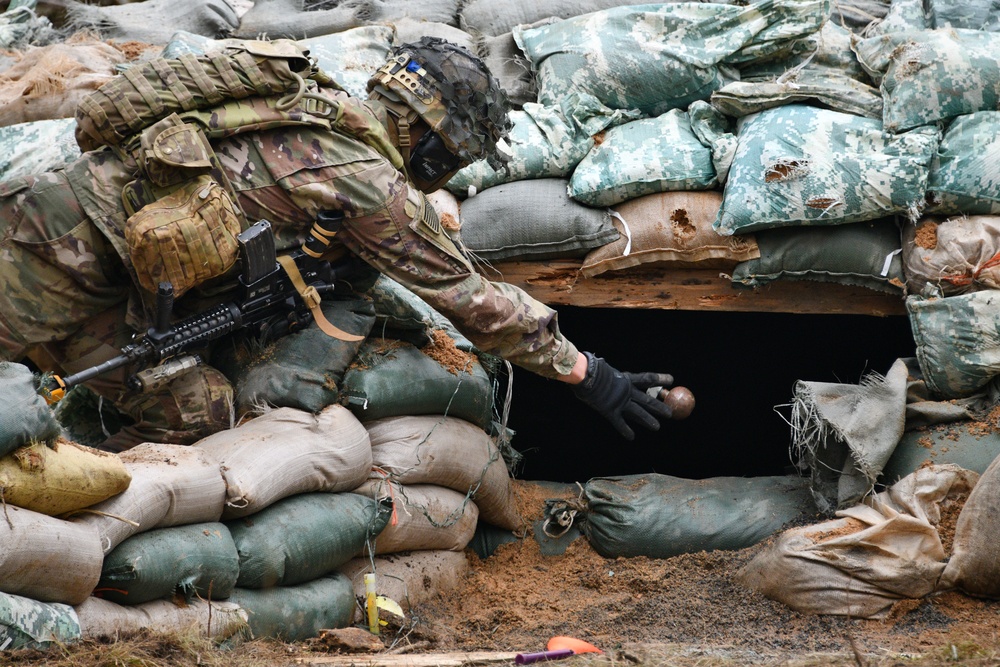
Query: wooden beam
[(559, 283)]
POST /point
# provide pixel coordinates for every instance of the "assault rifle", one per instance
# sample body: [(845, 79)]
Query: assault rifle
[(274, 297)]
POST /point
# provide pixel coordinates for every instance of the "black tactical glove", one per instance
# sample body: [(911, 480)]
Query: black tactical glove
[(617, 395)]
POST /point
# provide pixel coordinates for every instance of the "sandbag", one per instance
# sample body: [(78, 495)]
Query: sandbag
[(390, 378), (26, 623), (295, 613), (971, 445), (286, 19), (171, 485), (104, 619), (930, 75), (830, 90), (670, 229), (654, 58), (48, 82), (53, 145), (532, 219), (659, 516), (288, 451), (827, 51), (24, 415), (154, 21), (409, 578), (493, 18), (506, 62), (397, 308), (874, 555), (963, 176), (303, 370), (390, 11), (198, 559), (61, 477), (351, 56), (801, 165), (48, 559), (448, 452), (956, 339), (973, 566), (643, 157), (543, 144), (410, 30), (948, 256), (864, 254), (425, 516), (304, 537), (21, 27)]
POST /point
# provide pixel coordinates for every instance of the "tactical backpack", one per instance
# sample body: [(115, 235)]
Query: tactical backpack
[(158, 117)]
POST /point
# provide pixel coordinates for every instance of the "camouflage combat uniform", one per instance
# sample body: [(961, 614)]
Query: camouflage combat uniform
[(67, 287)]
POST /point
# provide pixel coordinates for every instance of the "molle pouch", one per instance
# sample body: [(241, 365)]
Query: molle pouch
[(172, 151), (185, 237)]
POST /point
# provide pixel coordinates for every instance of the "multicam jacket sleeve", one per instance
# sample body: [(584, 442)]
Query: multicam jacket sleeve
[(293, 175)]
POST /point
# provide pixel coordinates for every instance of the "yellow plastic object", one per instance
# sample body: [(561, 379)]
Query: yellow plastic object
[(371, 603)]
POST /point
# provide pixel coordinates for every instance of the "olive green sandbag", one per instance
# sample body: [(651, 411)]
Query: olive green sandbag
[(304, 537), (970, 445), (659, 516), (390, 378), (295, 613), (24, 415), (196, 559), (303, 370), (27, 623)]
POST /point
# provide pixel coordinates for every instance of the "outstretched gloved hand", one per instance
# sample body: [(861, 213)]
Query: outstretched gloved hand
[(616, 395)]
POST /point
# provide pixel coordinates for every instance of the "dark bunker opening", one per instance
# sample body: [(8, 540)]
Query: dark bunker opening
[(740, 366)]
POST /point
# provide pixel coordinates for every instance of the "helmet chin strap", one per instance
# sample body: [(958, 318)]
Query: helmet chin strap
[(403, 118)]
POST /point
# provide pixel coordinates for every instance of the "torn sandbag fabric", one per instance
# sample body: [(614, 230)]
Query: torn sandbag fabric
[(843, 434)]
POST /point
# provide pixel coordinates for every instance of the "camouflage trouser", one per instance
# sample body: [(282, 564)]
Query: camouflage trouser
[(66, 291)]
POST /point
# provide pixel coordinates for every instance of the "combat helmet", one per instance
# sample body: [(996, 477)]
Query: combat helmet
[(453, 92)]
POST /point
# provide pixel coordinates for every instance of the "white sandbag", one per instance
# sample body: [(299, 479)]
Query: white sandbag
[(154, 21), (952, 255), (424, 516), (973, 566), (289, 451), (48, 559), (409, 578), (218, 620), (875, 554), (409, 30), (172, 485), (448, 452)]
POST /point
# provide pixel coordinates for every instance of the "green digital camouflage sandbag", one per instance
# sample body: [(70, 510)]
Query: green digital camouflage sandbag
[(295, 613), (543, 144), (389, 378), (27, 623), (24, 415), (654, 58), (801, 165), (197, 559), (864, 254), (304, 537), (828, 50), (304, 370), (643, 157), (930, 14), (931, 75), (956, 337), (35, 147), (659, 516), (972, 445), (965, 173)]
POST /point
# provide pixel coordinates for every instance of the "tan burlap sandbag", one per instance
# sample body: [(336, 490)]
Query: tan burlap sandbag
[(172, 485), (409, 578), (424, 517), (974, 567), (449, 452), (219, 620), (954, 255), (49, 81), (62, 477), (288, 451), (48, 559), (670, 228), (869, 558)]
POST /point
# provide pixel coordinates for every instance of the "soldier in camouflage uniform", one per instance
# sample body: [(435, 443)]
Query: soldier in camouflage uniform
[(69, 289)]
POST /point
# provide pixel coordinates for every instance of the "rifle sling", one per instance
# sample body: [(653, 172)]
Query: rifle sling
[(312, 300)]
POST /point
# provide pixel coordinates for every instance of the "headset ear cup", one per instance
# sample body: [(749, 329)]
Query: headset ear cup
[(430, 159)]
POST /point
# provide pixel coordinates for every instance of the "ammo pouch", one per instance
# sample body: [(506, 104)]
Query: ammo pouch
[(184, 218)]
